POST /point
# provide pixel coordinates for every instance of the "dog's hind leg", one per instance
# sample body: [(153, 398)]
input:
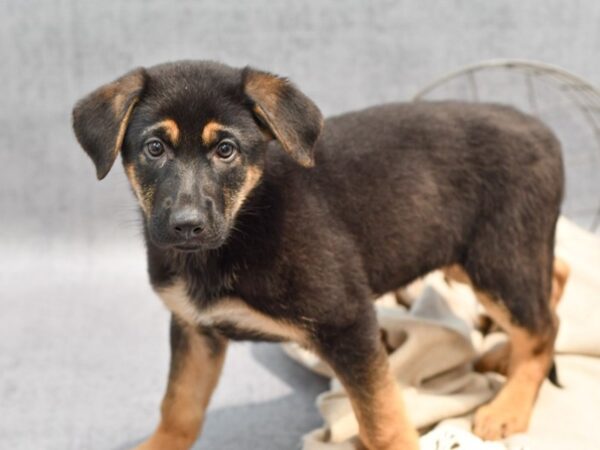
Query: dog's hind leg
[(529, 361), (560, 275), (497, 358), (515, 290)]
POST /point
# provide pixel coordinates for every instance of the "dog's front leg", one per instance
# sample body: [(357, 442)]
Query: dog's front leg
[(358, 358), (197, 357)]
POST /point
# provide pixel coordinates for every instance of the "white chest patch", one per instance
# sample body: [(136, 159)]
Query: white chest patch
[(230, 311)]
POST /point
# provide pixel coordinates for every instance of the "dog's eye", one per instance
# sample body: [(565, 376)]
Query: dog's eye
[(226, 150), (154, 148)]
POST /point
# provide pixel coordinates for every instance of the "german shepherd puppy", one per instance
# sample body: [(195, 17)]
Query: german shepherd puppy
[(264, 222)]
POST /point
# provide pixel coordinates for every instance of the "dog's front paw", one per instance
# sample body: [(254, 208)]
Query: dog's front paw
[(163, 441), (495, 421)]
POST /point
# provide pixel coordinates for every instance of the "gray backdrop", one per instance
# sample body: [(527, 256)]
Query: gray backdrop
[(83, 348)]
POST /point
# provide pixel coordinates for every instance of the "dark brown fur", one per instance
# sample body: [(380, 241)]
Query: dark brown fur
[(396, 191)]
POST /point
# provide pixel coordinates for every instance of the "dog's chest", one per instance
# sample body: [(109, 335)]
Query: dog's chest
[(229, 313)]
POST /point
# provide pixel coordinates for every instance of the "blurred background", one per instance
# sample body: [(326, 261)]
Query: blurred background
[(83, 340)]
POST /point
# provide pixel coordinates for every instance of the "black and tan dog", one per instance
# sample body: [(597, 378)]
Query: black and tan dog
[(263, 222)]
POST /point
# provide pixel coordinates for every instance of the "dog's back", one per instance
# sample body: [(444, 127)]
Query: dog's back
[(413, 183)]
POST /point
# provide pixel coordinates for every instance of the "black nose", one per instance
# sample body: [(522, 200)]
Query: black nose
[(187, 223)]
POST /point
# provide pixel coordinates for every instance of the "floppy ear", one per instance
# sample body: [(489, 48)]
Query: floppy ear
[(291, 117), (100, 119)]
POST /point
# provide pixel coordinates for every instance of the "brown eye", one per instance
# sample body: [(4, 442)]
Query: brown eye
[(226, 150), (154, 148)]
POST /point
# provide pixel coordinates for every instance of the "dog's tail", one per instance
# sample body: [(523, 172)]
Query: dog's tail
[(553, 375)]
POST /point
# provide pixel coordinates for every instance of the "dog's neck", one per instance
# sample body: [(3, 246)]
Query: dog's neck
[(211, 274)]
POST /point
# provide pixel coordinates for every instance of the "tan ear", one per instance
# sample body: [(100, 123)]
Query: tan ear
[(292, 118), (100, 119)]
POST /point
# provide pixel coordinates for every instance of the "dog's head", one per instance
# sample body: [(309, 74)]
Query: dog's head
[(193, 138)]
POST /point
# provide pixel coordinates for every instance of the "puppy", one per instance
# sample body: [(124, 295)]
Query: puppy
[(263, 222)]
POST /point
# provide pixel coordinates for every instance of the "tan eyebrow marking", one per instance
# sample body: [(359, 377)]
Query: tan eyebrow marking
[(170, 127), (209, 132)]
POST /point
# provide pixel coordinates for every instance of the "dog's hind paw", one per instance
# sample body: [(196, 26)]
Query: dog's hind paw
[(495, 421)]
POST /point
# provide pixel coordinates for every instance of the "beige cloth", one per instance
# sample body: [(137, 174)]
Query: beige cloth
[(436, 342)]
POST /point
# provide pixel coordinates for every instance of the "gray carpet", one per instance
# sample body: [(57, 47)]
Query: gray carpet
[(83, 360)]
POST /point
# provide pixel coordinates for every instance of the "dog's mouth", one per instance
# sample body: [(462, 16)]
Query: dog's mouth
[(188, 248), (196, 245)]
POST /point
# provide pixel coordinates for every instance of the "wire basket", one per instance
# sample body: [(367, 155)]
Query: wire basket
[(565, 102)]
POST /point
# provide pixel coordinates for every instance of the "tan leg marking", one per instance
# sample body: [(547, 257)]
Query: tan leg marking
[(526, 360), (379, 409), (560, 275), (509, 412), (189, 390), (456, 273), (497, 358)]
